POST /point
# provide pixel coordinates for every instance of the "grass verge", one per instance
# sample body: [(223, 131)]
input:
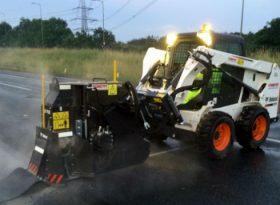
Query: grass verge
[(84, 63), (87, 63), (266, 55)]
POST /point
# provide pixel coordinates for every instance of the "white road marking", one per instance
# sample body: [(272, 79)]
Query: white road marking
[(273, 140), (15, 86), (14, 76), (183, 148), (37, 78), (167, 151)]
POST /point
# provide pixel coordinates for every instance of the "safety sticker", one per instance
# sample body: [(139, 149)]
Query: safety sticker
[(157, 100), (113, 89), (160, 95), (61, 120), (273, 86), (240, 61), (33, 168), (237, 60), (39, 149), (101, 86), (55, 178)]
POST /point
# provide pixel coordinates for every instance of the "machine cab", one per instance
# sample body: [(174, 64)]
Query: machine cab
[(186, 42), (162, 69)]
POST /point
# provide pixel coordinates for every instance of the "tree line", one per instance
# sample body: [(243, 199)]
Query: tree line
[(56, 33), (50, 33), (266, 38)]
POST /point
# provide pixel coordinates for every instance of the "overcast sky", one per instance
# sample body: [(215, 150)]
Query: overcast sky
[(159, 18)]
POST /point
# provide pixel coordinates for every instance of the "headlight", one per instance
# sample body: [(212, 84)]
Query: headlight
[(171, 39), (205, 34)]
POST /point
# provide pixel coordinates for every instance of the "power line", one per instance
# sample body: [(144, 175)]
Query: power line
[(118, 10), (58, 14), (66, 14), (61, 11), (135, 15), (96, 7), (81, 13)]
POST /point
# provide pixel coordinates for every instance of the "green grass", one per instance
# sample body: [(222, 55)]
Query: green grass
[(84, 63), (87, 63), (266, 55)]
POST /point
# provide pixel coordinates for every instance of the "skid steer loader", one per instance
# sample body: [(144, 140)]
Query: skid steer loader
[(213, 92), (217, 96), (94, 127)]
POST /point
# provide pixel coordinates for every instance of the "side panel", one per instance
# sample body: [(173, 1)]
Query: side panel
[(270, 94), (192, 118), (152, 56)]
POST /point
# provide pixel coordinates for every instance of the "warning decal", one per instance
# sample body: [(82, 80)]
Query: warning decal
[(113, 89), (61, 120)]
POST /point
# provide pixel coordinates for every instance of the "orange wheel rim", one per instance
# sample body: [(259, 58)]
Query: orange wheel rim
[(259, 128), (222, 136)]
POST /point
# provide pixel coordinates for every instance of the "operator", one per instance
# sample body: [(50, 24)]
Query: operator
[(191, 94)]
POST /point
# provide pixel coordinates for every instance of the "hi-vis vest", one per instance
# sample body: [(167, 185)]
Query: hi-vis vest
[(191, 94)]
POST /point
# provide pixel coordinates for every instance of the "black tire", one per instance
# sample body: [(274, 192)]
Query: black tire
[(216, 132), (252, 119)]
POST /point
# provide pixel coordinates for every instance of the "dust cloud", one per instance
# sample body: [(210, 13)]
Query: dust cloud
[(10, 160), (15, 149), (20, 113)]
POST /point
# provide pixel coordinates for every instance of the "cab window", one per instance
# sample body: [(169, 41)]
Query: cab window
[(233, 48), (181, 52)]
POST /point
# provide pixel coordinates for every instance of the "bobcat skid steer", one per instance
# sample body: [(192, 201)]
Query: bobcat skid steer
[(217, 96)]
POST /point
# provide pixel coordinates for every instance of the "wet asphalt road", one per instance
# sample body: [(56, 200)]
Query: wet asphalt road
[(175, 173)]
